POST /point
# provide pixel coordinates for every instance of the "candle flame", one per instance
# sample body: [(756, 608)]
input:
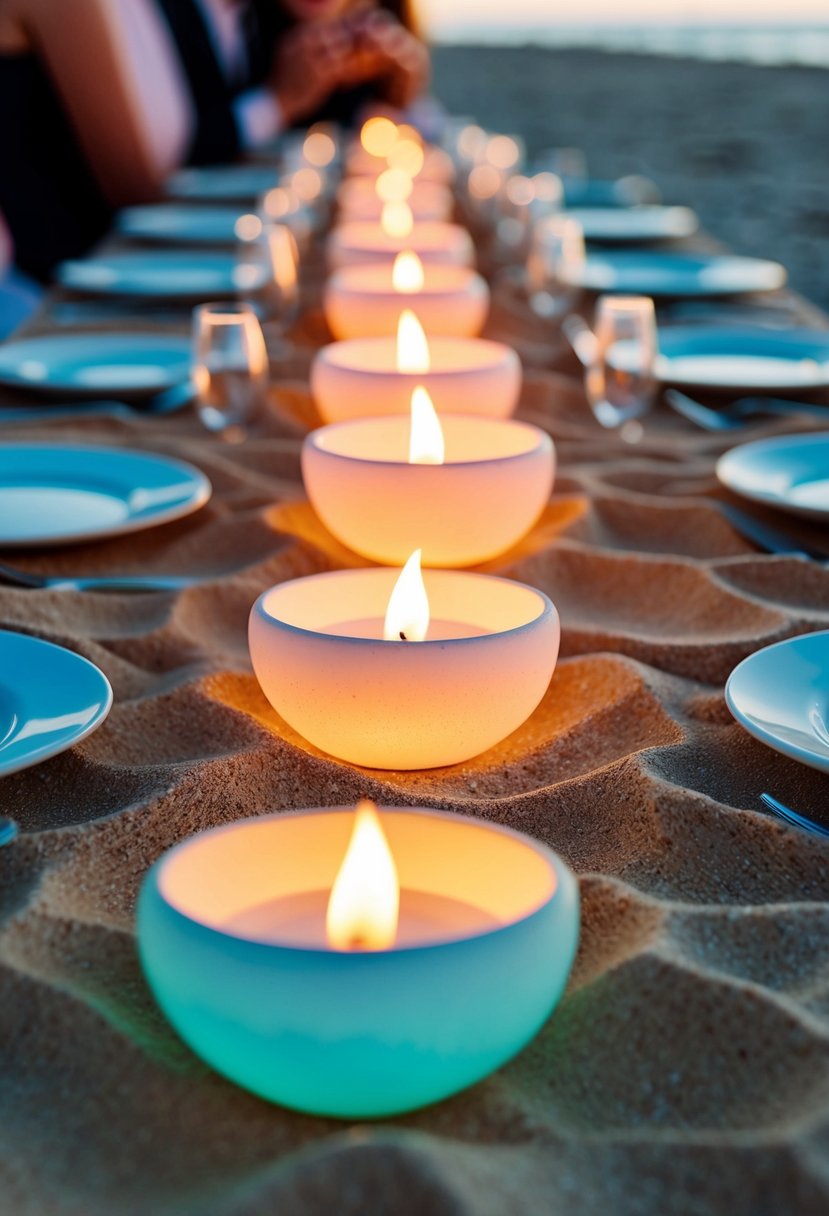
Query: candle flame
[(407, 273), (378, 135), (248, 228), (412, 347), (393, 186), (396, 220), (407, 616), (426, 445), (364, 904)]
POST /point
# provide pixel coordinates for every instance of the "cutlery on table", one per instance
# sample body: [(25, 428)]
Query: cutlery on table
[(767, 536), (735, 414), (793, 818), (13, 577), (169, 401)]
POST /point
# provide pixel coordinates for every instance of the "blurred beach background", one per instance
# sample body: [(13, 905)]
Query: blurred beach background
[(724, 103)]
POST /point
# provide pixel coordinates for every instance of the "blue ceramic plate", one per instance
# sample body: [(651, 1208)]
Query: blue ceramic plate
[(50, 698), (790, 472), (743, 359), (632, 225), (167, 275), (96, 365), (781, 696), (58, 494), (660, 273), (625, 192), (179, 223), (222, 183)]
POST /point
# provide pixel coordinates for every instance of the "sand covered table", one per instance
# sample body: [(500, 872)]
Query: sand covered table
[(686, 1069)]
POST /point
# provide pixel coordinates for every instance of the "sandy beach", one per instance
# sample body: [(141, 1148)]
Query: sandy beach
[(686, 1072), (743, 145)]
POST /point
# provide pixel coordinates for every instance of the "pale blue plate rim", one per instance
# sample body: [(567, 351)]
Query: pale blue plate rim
[(762, 728), (34, 651), (195, 487), (55, 351)]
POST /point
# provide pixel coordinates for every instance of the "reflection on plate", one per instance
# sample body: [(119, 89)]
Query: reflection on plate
[(222, 183), (51, 495), (789, 471), (179, 275), (617, 225), (180, 223), (50, 698), (781, 696), (739, 359), (96, 365), (661, 273)]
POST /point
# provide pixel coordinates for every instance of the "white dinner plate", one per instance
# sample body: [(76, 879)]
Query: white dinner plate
[(176, 222), (60, 494), (50, 698), (629, 225), (170, 275), (222, 183), (662, 273), (739, 359), (790, 472), (95, 364), (781, 696)]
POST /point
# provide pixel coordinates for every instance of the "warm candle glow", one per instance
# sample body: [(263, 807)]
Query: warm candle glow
[(284, 257), (307, 184), (407, 616), (319, 149), (378, 136), (484, 181), (406, 155), (502, 152), (397, 220), (394, 186), (364, 904), (278, 202), (426, 444), (248, 227), (412, 347), (407, 273)]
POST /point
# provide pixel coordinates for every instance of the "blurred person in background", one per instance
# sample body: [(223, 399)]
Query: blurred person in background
[(101, 99)]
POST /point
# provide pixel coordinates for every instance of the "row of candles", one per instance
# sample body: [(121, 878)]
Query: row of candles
[(363, 963)]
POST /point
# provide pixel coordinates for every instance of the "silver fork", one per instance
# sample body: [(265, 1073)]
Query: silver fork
[(14, 577), (735, 414), (793, 818)]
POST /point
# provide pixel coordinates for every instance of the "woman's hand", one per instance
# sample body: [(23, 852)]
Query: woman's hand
[(310, 63), (383, 49)]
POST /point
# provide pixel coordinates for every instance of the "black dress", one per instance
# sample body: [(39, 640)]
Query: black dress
[(51, 202)]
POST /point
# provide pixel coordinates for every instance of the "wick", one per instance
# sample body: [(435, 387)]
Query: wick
[(403, 637)]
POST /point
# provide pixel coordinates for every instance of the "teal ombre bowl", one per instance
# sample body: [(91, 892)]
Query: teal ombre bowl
[(358, 1034)]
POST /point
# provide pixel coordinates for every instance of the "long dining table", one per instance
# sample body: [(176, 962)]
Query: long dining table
[(693, 1033)]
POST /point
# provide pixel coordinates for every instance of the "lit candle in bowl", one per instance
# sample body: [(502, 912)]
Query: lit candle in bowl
[(399, 670), (464, 489), (360, 198), (328, 959), (383, 144), (357, 242), (364, 377), (366, 301)]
